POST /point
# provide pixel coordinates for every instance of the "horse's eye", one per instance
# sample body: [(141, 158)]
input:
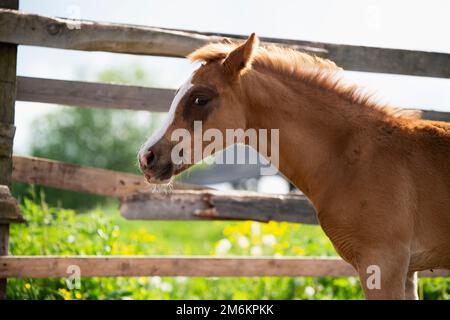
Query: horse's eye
[(201, 101)]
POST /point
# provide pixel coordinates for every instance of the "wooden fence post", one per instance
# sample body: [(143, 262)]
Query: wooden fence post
[(8, 57)]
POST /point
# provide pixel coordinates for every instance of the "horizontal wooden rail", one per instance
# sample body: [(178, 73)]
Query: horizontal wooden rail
[(37, 30), (100, 95), (72, 177), (361, 58), (144, 201), (142, 266), (89, 94), (436, 115), (218, 205)]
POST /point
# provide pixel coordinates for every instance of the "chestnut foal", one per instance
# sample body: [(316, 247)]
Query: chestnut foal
[(379, 178)]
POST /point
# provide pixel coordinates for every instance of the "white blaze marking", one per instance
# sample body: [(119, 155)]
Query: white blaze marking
[(170, 116)]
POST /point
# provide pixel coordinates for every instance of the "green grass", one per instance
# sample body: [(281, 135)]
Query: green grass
[(53, 231)]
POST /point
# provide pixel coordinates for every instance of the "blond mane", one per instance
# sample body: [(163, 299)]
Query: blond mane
[(308, 68)]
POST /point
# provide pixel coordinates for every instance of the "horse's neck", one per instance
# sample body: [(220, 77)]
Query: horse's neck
[(317, 128)]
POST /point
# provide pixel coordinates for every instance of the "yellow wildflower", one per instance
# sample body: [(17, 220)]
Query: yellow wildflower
[(115, 233), (66, 294), (298, 250)]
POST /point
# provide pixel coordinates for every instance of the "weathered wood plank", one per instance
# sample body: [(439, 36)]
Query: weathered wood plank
[(100, 95), (361, 58), (88, 94), (4, 250), (159, 203), (82, 179), (8, 59), (37, 30), (8, 207), (212, 204), (199, 266), (33, 29), (8, 62), (436, 115)]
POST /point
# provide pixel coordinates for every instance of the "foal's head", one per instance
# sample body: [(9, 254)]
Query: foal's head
[(211, 95)]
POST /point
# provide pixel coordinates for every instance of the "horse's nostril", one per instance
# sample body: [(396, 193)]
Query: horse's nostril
[(149, 159)]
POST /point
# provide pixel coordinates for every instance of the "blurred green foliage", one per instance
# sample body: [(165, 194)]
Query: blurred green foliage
[(52, 231), (102, 138)]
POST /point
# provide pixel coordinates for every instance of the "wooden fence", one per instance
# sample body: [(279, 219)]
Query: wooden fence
[(138, 201)]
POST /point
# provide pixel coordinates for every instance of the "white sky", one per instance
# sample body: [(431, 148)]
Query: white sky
[(407, 24)]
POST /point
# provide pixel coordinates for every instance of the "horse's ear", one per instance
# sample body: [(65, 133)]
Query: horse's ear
[(241, 57)]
